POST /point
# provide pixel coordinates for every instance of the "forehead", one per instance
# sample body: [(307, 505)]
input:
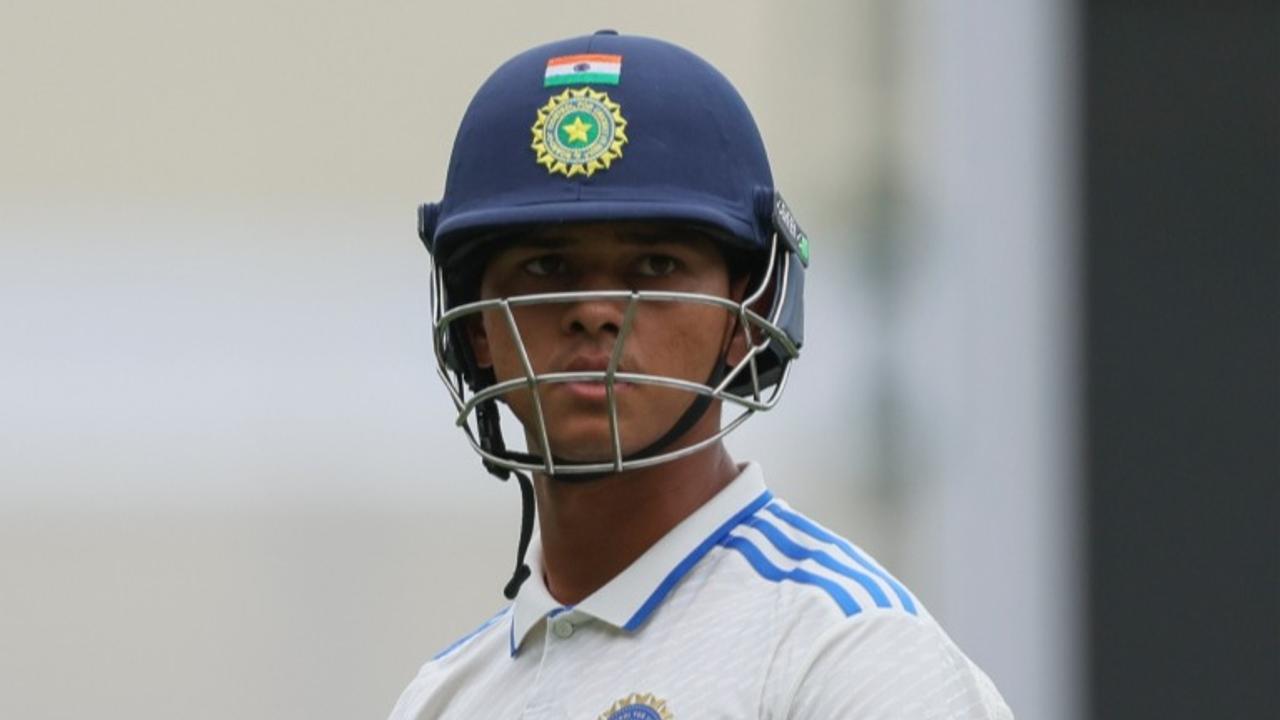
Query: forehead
[(606, 235)]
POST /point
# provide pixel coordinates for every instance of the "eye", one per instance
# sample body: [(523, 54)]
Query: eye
[(657, 265), (545, 265)]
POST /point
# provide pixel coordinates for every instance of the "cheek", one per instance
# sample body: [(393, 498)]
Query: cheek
[(537, 328), (502, 350), (690, 340)]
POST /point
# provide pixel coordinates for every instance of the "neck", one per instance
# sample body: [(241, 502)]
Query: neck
[(592, 531)]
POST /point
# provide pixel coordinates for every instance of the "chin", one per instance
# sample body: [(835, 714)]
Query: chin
[(588, 440), (585, 447)]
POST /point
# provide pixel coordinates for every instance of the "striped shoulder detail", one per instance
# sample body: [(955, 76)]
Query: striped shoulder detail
[(782, 545), (771, 572), (465, 638), (832, 543)]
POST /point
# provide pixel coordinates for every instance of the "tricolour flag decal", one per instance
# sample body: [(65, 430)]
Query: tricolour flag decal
[(583, 70)]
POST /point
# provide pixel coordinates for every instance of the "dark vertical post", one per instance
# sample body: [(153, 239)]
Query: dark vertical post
[(1182, 366)]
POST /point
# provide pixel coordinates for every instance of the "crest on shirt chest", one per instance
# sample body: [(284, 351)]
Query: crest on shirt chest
[(638, 706)]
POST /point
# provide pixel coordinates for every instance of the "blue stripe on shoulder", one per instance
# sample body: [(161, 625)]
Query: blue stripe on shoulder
[(811, 529), (773, 573), (463, 640), (796, 551)]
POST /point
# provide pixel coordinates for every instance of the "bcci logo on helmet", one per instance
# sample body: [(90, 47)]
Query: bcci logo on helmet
[(579, 132)]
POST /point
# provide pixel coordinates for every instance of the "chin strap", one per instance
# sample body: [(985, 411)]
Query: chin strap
[(522, 571), (489, 424)]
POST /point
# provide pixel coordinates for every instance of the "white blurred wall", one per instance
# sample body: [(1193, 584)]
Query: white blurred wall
[(228, 482)]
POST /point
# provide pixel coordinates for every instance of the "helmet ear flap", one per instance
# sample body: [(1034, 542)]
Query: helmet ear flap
[(461, 359), (458, 355), (783, 296), (428, 216)]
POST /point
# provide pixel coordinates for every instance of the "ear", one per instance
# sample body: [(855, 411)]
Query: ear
[(479, 340)]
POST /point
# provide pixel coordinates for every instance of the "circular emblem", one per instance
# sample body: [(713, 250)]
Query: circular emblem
[(638, 706), (579, 132)]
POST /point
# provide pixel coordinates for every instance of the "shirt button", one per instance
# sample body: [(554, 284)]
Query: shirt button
[(562, 628)]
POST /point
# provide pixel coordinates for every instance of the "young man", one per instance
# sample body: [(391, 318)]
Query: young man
[(614, 266)]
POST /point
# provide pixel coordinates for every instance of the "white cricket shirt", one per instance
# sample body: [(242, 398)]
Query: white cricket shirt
[(746, 609)]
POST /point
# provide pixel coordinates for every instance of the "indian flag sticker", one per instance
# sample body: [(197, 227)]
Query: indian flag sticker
[(583, 70)]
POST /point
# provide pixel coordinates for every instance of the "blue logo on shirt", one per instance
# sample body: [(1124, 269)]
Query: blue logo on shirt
[(638, 706), (636, 712)]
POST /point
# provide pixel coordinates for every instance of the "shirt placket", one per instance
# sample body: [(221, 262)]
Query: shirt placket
[(548, 699)]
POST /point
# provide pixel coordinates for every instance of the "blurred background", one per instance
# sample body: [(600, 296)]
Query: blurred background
[(1040, 381)]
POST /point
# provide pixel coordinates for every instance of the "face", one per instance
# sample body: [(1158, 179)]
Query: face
[(673, 339)]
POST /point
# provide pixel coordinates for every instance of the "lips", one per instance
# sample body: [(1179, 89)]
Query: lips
[(591, 389)]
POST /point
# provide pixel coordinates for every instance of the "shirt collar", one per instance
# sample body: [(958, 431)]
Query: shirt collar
[(628, 600)]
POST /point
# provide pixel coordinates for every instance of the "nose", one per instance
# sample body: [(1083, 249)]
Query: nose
[(595, 316)]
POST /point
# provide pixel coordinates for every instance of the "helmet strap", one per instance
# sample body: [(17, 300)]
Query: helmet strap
[(489, 424), (527, 515)]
